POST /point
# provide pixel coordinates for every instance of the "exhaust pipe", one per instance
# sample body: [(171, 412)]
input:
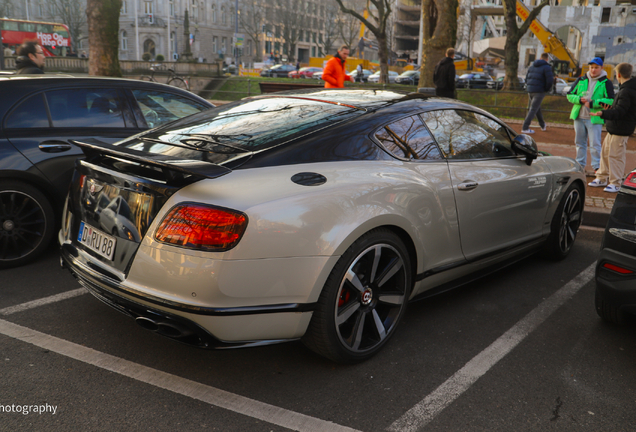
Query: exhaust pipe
[(164, 328), (147, 323)]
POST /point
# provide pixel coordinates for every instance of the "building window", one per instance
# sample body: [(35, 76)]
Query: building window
[(148, 7), (313, 51), (124, 7), (124, 40), (248, 49), (232, 16), (215, 45), (605, 18), (195, 10), (224, 45), (40, 9), (171, 8), (223, 16), (300, 35), (313, 37), (173, 43), (214, 14)]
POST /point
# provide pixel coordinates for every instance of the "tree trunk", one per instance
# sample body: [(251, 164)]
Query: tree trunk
[(103, 37), (514, 34), (383, 56), (439, 34)]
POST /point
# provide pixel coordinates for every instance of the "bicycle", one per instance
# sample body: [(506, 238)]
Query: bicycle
[(173, 79)]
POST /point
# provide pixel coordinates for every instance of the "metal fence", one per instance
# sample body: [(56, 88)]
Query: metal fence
[(128, 67)]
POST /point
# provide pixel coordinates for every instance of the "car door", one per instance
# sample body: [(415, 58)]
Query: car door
[(501, 201), (432, 205), (41, 126)]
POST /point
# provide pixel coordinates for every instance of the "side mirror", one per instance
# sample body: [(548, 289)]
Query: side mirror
[(525, 146)]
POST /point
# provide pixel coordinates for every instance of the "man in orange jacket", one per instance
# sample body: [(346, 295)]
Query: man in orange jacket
[(335, 73)]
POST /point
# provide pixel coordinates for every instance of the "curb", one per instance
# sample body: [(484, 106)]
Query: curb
[(595, 217)]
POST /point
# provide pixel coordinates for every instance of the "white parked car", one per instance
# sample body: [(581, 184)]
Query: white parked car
[(315, 215), (375, 78)]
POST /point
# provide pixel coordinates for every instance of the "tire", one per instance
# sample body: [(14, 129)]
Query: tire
[(179, 83), (565, 224), (363, 300), (609, 312), (27, 223)]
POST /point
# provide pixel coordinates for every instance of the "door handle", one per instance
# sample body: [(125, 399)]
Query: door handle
[(54, 146), (467, 185)]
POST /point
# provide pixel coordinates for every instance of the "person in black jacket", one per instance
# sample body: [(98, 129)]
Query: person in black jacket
[(444, 75), (30, 58), (539, 80), (620, 124)]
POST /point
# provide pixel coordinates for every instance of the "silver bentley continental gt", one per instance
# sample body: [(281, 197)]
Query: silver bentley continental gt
[(313, 215)]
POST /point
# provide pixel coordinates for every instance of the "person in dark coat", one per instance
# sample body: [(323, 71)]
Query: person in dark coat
[(444, 75), (30, 58), (620, 122), (539, 81)]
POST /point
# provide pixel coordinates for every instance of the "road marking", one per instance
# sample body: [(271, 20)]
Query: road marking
[(213, 396), (429, 407), (41, 302)]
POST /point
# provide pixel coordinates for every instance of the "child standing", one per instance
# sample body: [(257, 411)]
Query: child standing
[(620, 123)]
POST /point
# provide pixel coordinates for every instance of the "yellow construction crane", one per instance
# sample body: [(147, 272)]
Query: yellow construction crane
[(566, 62)]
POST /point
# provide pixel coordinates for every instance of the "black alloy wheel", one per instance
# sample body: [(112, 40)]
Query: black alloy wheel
[(26, 223), (565, 224), (363, 300)]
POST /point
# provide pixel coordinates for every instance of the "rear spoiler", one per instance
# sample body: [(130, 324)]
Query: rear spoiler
[(95, 148)]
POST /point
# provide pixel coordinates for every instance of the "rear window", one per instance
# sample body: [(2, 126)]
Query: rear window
[(253, 125)]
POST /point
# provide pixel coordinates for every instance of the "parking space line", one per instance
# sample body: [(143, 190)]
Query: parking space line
[(41, 302), (211, 395), (429, 407)]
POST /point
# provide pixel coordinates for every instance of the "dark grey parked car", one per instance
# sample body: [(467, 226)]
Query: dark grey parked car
[(278, 71), (39, 115), (474, 81)]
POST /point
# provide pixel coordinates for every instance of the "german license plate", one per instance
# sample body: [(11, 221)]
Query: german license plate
[(97, 241)]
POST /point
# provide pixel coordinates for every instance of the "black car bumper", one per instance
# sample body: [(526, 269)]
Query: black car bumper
[(616, 279), (616, 268)]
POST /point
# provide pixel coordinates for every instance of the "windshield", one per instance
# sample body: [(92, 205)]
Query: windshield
[(466, 76), (223, 133)]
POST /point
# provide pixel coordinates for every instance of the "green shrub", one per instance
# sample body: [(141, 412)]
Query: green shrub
[(146, 56), (160, 57)]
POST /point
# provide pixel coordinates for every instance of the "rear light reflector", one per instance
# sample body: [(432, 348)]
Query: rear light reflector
[(630, 180), (617, 269), (196, 226)]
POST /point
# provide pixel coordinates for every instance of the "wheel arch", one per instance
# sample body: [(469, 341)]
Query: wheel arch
[(36, 182)]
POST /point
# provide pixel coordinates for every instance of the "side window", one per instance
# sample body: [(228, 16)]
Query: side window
[(31, 113), (160, 107), (409, 139), (85, 107), (467, 135)]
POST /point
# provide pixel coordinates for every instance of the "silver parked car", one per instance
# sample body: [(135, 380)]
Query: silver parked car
[(313, 215)]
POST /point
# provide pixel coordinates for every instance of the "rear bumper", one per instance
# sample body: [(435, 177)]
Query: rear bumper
[(617, 289), (205, 327)]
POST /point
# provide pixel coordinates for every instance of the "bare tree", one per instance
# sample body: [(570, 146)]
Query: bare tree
[(103, 36), (328, 44), (349, 31), (377, 25), (293, 19), (71, 13), (252, 18), (439, 33), (514, 33)]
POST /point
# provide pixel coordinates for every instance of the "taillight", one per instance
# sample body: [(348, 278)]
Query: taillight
[(201, 227), (630, 180), (617, 269)]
